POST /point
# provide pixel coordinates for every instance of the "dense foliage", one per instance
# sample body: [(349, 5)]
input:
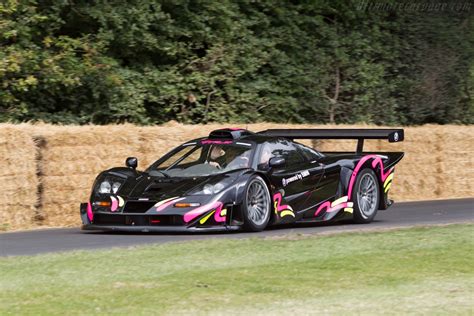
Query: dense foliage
[(149, 61)]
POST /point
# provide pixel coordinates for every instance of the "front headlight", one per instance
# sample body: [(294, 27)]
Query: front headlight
[(116, 186), (109, 186), (105, 187), (218, 187), (209, 189)]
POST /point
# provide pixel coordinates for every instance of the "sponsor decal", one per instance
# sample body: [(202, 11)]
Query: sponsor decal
[(296, 177)]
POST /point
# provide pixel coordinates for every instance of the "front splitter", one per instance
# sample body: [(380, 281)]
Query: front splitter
[(157, 229)]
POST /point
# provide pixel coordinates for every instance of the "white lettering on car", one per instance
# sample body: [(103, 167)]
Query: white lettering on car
[(296, 177)]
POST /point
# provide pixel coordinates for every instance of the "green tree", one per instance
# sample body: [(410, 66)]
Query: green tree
[(146, 62)]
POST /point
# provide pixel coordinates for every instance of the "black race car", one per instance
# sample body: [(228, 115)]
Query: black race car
[(235, 179)]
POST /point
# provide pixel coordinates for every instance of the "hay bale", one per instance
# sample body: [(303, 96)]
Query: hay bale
[(72, 158), (456, 169), (18, 196)]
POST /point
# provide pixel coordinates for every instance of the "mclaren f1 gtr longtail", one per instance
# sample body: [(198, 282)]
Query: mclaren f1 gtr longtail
[(235, 179)]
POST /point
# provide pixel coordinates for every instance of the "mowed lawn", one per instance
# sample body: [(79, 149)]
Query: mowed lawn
[(420, 270)]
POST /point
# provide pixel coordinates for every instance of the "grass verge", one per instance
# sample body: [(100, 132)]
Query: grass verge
[(420, 270)]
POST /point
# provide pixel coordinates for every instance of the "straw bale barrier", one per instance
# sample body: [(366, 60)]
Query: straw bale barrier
[(438, 161), (18, 179)]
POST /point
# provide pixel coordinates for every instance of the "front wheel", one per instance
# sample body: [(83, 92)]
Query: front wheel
[(366, 197), (257, 205)]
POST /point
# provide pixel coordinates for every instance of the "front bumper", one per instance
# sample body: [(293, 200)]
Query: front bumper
[(122, 222)]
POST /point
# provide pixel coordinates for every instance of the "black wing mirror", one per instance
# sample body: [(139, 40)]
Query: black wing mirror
[(276, 162), (132, 162)]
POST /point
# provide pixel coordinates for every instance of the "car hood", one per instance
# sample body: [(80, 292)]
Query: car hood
[(159, 188)]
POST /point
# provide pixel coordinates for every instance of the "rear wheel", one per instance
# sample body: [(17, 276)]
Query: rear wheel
[(366, 196), (257, 205)]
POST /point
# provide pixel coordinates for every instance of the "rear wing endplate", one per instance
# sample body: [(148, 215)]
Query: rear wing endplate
[(392, 135)]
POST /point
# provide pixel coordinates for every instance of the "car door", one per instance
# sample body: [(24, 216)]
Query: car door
[(312, 182), (294, 180), (325, 180)]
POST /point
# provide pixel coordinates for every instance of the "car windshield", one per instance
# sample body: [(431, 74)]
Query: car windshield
[(204, 158)]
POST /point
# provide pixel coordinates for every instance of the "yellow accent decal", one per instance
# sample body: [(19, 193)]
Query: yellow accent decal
[(287, 212), (224, 212), (275, 207), (204, 219), (164, 201), (390, 177), (349, 210), (388, 187), (339, 201), (120, 201)]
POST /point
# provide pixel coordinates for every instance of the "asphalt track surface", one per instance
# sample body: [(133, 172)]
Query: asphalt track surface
[(399, 215)]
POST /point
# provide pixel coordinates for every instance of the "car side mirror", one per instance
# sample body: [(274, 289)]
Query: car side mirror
[(132, 162), (276, 162)]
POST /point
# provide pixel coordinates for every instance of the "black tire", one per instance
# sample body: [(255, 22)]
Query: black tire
[(256, 206), (366, 196)]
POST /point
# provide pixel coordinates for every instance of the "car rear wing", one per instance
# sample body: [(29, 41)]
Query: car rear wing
[(392, 135)]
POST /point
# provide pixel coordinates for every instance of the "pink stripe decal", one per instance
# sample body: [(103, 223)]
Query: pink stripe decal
[(327, 206), (90, 215), (165, 205), (383, 175), (217, 214), (337, 207), (216, 142), (235, 128), (377, 160), (114, 205), (189, 216), (277, 198)]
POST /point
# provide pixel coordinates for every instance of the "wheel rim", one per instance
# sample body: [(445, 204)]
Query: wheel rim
[(258, 203), (367, 195)]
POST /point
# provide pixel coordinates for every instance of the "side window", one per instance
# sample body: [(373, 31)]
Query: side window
[(280, 148), (309, 153)]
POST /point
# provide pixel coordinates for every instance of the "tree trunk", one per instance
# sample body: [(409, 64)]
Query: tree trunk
[(335, 99)]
